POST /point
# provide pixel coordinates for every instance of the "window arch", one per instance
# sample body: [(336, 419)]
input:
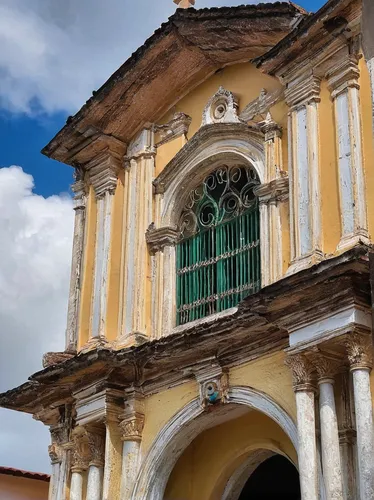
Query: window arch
[(218, 256)]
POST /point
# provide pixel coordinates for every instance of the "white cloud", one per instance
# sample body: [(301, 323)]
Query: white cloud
[(35, 253), (56, 52)]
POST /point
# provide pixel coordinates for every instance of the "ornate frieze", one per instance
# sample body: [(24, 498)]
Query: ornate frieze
[(303, 371), (221, 108), (158, 239), (176, 127)]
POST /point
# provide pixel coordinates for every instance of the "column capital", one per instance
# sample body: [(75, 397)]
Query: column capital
[(359, 351), (131, 421), (103, 172), (270, 128), (59, 439), (302, 372), (141, 147), (79, 188), (158, 239), (303, 90), (80, 450), (96, 444), (345, 74), (325, 366)]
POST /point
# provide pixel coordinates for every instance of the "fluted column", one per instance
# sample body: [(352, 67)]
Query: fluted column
[(331, 462), (303, 97), (302, 371), (103, 171), (131, 423), (360, 353), (80, 199), (344, 84), (96, 443), (80, 456)]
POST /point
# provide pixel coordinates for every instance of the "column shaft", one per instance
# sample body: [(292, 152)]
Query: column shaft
[(307, 452), (330, 442), (76, 486), (95, 482), (130, 460), (53, 484), (365, 433)]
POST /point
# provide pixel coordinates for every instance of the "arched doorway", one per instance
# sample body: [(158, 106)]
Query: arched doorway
[(276, 477)]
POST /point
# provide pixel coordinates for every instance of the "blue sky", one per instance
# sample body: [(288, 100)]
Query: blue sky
[(53, 54)]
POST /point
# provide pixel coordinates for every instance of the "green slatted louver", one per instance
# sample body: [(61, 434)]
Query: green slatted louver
[(218, 257)]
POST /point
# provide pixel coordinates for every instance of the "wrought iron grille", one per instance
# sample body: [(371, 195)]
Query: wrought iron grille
[(218, 259)]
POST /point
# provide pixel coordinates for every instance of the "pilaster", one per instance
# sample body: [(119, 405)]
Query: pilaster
[(303, 97), (79, 189), (139, 164), (343, 80), (103, 174)]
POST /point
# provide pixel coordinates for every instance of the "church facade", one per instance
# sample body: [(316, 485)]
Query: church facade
[(219, 330)]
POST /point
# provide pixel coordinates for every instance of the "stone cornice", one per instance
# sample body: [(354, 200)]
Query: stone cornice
[(103, 172), (158, 239), (303, 90), (344, 75)]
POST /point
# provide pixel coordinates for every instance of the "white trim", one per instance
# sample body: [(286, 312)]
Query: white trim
[(183, 428)]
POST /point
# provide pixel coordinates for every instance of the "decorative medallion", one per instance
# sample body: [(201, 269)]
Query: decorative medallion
[(221, 108)]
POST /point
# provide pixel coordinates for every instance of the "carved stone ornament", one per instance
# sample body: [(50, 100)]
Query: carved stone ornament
[(261, 105), (55, 452), (132, 427), (326, 367), (359, 351), (59, 438), (221, 108), (96, 444), (184, 4), (302, 371), (177, 126), (213, 382), (158, 239), (80, 450), (270, 128)]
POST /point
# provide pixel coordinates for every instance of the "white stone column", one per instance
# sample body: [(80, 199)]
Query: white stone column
[(330, 448), (303, 97), (360, 352), (76, 485), (103, 171), (344, 84), (96, 442), (132, 423), (302, 371), (80, 198)]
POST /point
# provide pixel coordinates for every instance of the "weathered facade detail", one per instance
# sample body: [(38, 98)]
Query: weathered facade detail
[(220, 306)]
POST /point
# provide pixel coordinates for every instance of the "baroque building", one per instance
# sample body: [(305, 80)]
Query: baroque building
[(219, 330)]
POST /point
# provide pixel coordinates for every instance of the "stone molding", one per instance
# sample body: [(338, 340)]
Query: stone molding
[(176, 127), (275, 190), (131, 421), (359, 351), (344, 75), (303, 372), (222, 107), (303, 90), (103, 173), (158, 239)]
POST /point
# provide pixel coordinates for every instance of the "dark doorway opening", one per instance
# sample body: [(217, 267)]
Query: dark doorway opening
[(276, 477)]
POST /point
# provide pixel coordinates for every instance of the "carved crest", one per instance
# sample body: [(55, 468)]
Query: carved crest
[(221, 108)]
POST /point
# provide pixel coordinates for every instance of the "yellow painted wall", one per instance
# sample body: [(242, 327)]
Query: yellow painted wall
[(206, 465), (20, 488)]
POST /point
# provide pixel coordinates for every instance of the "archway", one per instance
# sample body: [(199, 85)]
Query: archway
[(191, 421)]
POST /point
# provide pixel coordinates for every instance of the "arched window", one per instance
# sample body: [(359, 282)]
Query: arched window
[(218, 257)]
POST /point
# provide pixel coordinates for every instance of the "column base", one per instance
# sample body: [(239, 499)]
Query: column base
[(305, 261)]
